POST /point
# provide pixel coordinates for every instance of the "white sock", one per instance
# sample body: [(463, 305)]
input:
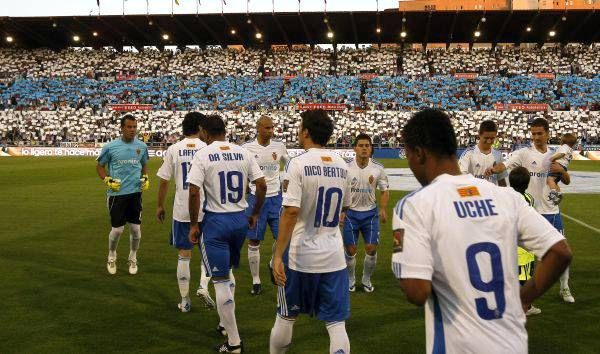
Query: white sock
[(232, 283), (226, 310), (204, 279), (564, 279), (351, 264), (281, 335), (135, 235), (368, 268), (113, 241), (254, 262), (183, 276), (338, 338)]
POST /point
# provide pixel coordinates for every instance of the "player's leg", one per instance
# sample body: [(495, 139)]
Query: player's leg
[(565, 290), (179, 240), (116, 211), (334, 309), (255, 235), (133, 214), (370, 231), (202, 291), (350, 235), (287, 310)]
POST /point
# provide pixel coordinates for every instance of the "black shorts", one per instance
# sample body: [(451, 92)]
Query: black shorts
[(125, 209)]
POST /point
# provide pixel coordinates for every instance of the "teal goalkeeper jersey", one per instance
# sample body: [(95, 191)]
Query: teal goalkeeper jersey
[(124, 161)]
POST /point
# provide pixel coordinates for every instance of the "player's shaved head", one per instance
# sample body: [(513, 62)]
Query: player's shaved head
[(264, 129)]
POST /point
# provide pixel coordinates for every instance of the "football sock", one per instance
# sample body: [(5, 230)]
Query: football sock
[(113, 241), (281, 335), (135, 235), (226, 310), (564, 279), (368, 268), (204, 279), (254, 261), (338, 338), (183, 276), (351, 264), (232, 283)]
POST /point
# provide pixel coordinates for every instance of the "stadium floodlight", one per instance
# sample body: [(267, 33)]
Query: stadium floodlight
[(330, 34), (165, 37), (9, 39), (403, 19), (477, 34), (233, 31), (403, 34), (54, 24), (249, 21), (564, 18), (528, 29), (76, 38), (95, 34), (378, 30), (552, 33), (483, 19), (258, 35), (150, 23)]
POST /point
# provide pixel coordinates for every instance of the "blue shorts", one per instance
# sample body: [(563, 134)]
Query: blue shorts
[(323, 294), (223, 236), (180, 235), (556, 221), (367, 222), (269, 214)]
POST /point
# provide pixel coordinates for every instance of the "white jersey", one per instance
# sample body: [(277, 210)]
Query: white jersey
[(470, 256), (269, 159), (223, 170), (568, 151), (475, 162), (363, 182), (316, 182), (538, 165), (176, 164)]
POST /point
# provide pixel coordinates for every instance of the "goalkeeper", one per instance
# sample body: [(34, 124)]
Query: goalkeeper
[(519, 181), (122, 165)]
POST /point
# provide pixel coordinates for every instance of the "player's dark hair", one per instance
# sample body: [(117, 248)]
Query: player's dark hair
[(318, 124), (213, 125), (125, 118), (519, 179), (488, 126), (540, 122), (191, 123), (431, 130), (362, 136)]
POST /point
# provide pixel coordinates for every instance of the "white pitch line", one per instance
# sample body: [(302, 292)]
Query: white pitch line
[(581, 223)]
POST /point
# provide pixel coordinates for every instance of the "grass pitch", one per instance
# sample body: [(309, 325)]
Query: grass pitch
[(58, 298)]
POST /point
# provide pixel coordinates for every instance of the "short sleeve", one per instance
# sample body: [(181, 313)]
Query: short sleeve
[(515, 160), (197, 174), (536, 234), (166, 169), (292, 185), (254, 171), (415, 259), (104, 157), (383, 183), (464, 160)]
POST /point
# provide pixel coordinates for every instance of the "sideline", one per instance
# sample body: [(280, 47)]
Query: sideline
[(581, 223)]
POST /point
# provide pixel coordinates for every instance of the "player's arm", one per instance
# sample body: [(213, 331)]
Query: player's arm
[(497, 168), (558, 169), (163, 188), (465, 161), (194, 208), (103, 159), (384, 199), (261, 192), (547, 272), (417, 291), (101, 171), (287, 221)]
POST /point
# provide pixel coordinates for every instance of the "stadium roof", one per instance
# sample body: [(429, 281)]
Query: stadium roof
[(303, 28)]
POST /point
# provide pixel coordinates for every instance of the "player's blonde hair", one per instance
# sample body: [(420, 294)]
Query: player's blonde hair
[(569, 139)]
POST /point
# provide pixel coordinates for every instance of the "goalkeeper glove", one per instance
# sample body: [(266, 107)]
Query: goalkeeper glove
[(145, 183), (112, 183)]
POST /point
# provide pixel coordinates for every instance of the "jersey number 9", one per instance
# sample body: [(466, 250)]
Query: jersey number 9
[(236, 188), (495, 285)]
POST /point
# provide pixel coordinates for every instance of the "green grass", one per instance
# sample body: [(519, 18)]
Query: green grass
[(57, 296)]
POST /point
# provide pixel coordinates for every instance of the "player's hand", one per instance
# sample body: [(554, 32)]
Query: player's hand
[(145, 183), (252, 221), (342, 218), (489, 171), (112, 183), (279, 271), (382, 216), (194, 233), (160, 214)]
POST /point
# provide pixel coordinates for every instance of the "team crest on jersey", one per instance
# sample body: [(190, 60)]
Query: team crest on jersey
[(468, 192), (274, 156), (398, 240), (371, 179), (326, 159), (138, 151), (191, 145), (224, 148)]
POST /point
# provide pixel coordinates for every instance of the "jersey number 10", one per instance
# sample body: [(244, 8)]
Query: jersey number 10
[(324, 200)]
